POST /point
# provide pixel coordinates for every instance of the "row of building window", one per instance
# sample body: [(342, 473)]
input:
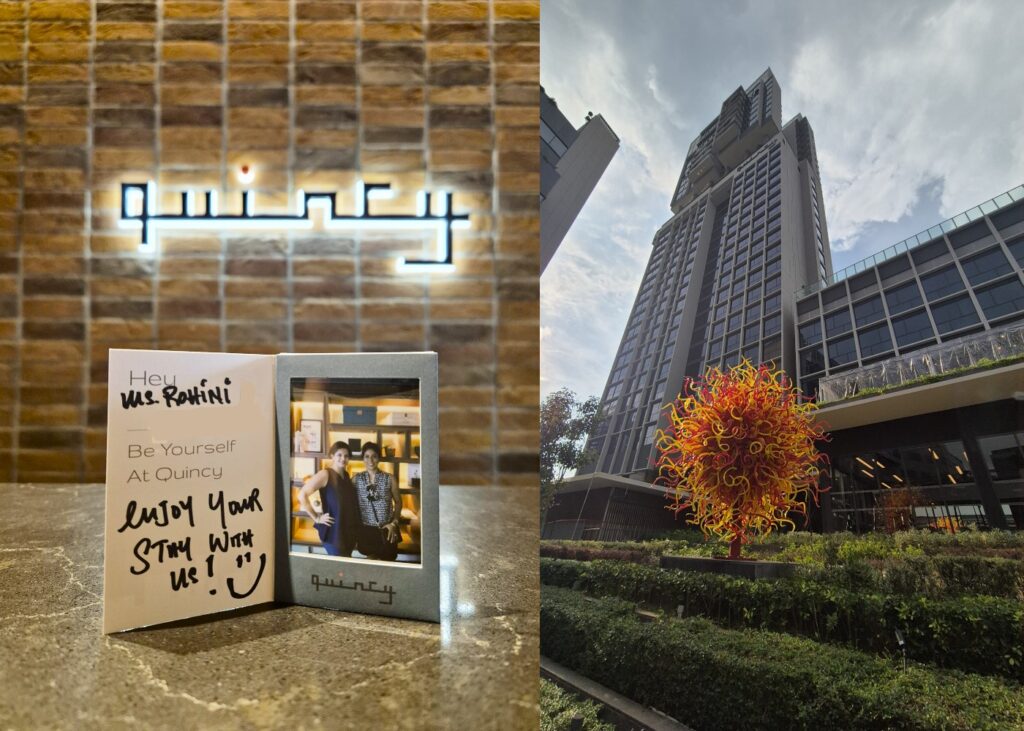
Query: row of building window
[(914, 329)]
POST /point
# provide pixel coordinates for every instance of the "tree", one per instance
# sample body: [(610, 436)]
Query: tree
[(739, 452), (565, 424)]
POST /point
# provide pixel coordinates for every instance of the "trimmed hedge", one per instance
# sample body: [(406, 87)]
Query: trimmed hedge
[(828, 549), (711, 678), (973, 633), (558, 707), (936, 577), (856, 567), (592, 553)]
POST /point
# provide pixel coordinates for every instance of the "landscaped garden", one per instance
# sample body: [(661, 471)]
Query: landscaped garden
[(911, 630), (818, 649)]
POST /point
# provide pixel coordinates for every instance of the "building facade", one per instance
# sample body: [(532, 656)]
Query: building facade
[(747, 230), (571, 162), (917, 359)]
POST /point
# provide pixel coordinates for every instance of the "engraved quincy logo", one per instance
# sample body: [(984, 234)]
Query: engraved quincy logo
[(356, 586)]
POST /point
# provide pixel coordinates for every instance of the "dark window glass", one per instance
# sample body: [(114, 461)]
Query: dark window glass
[(812, 360), (751, 353), (868, 311), (753, 295), (912, 328), (772, 325), (986, 266), (735, 304), (717, 329), (753, 312), (772, 304), (841, 352), (773, 284), (731, 360), (954, 314), (773, 267), (750, 334), (941, 283), (809, 386), (754, 278), (902, 298), (772, 349), (732, 341), (1003, 455), (1016, 248), (715, 350), (1002, 299), (874, 340), (734, 321), (720, 312), (838, 322), (810, 333)]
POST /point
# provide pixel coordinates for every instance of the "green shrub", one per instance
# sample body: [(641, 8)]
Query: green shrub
[(710, 678), (937, 577), (980, 634), (558, 707), (591, 553), (829, 549)]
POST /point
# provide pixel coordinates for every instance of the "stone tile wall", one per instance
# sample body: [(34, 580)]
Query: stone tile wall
[(313, 94)]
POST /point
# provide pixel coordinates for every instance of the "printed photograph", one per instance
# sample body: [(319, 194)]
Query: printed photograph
[(355, 469)]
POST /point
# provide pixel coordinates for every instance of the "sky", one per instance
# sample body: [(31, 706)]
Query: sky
[(917, 109)]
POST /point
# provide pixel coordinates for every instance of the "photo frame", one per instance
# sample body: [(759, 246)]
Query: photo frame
[(313, 432), (382, 400)]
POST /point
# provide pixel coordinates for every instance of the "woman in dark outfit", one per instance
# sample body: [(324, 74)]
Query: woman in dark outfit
[(338, 524), (380, 507)]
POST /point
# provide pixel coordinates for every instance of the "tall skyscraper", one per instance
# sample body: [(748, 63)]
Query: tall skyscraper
[(571, 162), (747, 230)]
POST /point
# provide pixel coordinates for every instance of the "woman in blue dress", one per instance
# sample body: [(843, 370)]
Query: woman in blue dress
[(337, 523)]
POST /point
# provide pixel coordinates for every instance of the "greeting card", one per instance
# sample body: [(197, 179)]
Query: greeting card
[(235, 480)]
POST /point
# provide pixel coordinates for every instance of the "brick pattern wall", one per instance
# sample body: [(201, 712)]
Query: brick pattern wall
[(314, 94)]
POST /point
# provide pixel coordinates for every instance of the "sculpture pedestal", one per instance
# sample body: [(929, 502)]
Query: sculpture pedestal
[(731, 567)]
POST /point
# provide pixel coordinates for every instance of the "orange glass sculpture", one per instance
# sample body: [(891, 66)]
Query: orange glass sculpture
[(739, 452)]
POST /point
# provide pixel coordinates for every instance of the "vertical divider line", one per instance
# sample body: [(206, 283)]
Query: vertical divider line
[(428, 178), (290, 181), (357, 239), (223, 236), (157, 155), (19, 323), (87, 273), (495, 226)]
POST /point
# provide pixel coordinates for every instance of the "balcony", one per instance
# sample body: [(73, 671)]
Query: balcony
[(990, 349)]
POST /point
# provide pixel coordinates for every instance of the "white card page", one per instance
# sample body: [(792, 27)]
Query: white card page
[(190, 494)]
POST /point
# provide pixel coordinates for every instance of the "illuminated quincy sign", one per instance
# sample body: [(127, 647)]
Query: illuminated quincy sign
[(138, 211)]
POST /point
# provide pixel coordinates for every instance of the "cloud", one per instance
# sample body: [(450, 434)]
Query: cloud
[(608, 81), (931, 96)]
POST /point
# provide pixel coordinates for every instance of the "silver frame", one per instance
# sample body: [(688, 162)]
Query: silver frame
[(413, 591)]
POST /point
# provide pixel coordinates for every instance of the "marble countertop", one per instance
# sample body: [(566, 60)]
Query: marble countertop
[(270, 666)]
